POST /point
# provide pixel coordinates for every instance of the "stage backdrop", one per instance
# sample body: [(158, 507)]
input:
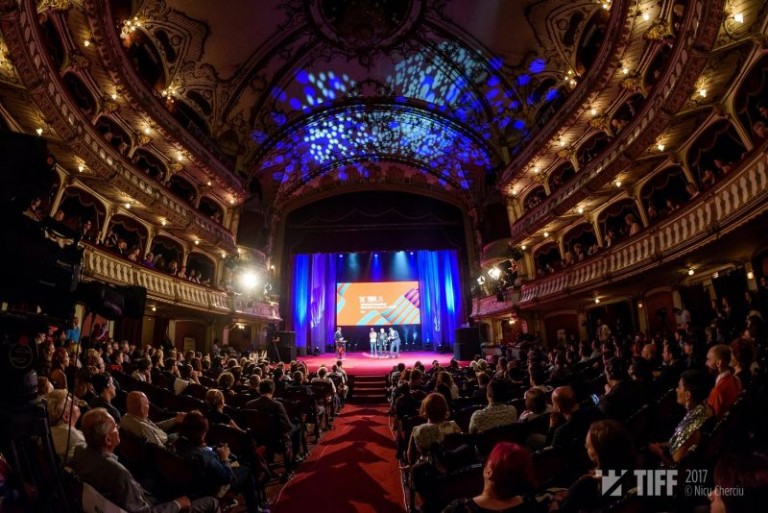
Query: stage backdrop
[(431, 277)]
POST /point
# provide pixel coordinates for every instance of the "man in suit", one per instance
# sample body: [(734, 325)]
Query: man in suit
[(266, 404), (338, 339), (394, 343), (97, 465)]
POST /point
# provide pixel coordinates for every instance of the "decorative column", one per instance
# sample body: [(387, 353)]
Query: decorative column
[(641, 211), (598, 233), (66, 181)]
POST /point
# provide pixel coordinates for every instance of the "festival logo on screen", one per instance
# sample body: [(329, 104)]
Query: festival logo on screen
[(378, 304)]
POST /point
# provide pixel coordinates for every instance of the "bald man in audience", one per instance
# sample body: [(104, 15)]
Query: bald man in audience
[(97, 465), (727, 386), (568, 423), (137, 422)]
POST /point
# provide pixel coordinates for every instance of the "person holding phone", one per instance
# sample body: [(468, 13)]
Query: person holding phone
[(568, 421)]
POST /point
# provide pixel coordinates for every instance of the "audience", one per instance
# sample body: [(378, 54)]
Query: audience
[(435, 409), (727, 386), (63, 415), (97, 465), (136, 420)]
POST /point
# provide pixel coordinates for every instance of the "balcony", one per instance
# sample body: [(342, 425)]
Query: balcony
[(734, 201), (103, 266)]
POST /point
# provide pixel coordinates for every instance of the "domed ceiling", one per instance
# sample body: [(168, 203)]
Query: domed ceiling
[(295, 91)]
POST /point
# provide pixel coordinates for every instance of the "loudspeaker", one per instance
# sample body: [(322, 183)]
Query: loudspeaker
[(287, 338), (466, 344), (135, 302), (287, 354)]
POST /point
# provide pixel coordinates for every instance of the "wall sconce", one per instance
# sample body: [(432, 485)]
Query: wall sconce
[(597, 300), (750, 275)]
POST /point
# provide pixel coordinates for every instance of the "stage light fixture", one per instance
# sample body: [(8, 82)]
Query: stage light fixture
[(480, 280), (494, 272), (249, 279)]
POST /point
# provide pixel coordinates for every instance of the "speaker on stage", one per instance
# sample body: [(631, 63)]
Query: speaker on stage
[(287, 345), (466, 344)]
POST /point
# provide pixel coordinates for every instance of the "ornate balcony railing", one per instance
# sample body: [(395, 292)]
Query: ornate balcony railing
[(103, 266), (737, 199)]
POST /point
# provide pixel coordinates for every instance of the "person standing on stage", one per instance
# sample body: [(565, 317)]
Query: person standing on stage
[(382, 343), (394, 343), (338, 338), (373, 339)]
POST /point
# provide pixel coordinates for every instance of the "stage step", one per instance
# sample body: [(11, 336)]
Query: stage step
[(368, 389)]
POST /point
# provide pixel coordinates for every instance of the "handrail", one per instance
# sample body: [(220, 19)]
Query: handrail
[(732, 202), (103, 266)]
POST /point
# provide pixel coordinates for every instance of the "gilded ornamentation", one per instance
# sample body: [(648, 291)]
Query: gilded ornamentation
[(658, 31)]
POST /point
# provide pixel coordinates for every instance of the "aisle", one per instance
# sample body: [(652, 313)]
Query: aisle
[(352, 470)]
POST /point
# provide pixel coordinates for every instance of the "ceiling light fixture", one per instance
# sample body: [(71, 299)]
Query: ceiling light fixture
[(127, 205), (593, 111), (163, 222), (523, 247), (546, 234), (580, 210), (750, 275), (738, 17), (624, 70), (80, 168), (86, 43), (660, 146), (646, 16), (703, 92), (617, 183), (146, 130), (691, 272), (597, 300), (197, 242), (39, 131)]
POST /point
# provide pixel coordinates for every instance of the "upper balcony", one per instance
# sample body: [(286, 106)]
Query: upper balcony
[(107, 267), (734, 201)]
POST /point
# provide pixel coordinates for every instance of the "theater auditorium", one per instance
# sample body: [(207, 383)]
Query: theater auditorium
[(392, 256)]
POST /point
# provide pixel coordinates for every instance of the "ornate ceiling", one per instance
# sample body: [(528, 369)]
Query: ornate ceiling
[(294, 90)]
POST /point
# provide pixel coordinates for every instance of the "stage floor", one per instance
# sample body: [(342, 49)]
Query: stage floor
[(362, 364)]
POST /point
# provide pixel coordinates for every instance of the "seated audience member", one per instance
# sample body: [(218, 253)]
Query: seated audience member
[(214, 399), (136, 420), (408, 404), (611, 448), (495, 414), (743, 353), (105, 391), (568, 422), (623, 396), (435, 409), (480, 396), (508, 479), (63, 415), (746, 473), (727, 386), (692, 391), (266, 404), (59, 365), (97, 465), (143, 370), (535, 404), (671, 368), (217, 470)]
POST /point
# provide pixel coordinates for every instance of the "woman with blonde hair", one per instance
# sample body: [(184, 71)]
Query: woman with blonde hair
[(63, 415)]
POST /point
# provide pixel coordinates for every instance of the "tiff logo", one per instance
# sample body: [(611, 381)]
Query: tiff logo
[(649, 483)]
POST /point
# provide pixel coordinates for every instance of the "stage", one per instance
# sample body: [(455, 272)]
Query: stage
[(362, 364)]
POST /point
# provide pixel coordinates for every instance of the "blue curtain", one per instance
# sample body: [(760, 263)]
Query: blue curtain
[(440, 301), (300, 298), (313, 305), (323, 300)]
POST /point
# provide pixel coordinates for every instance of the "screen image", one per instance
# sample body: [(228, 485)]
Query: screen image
[(377, 303)]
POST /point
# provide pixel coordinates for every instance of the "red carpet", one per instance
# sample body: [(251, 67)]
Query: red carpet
[(361, 364), (352, 470)]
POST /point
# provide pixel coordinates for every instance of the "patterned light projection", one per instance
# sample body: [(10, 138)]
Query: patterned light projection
[(445, 108), (365, 132)]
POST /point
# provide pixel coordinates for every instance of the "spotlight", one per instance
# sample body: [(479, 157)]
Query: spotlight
[(750, 275), (249, 279), (640, 304), (738, 17), (480, 280), (154, 309), (523, 247), (597, 300), (341, 256), (494, 272), (691, 272), (411, 253)]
